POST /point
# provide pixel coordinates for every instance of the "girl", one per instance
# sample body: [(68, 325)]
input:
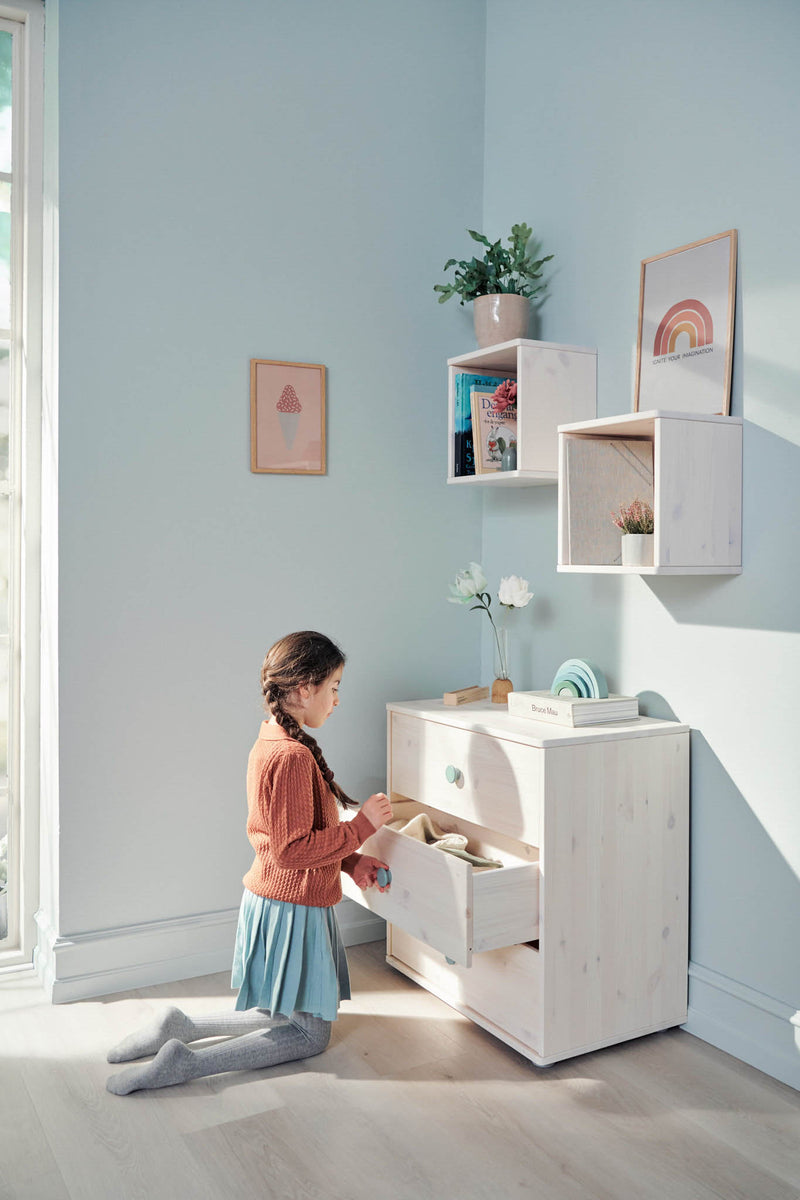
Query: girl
[(289, 963)]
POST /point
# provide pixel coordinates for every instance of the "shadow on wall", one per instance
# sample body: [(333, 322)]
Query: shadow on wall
[(570, 616), (764, 596), (737, 874)]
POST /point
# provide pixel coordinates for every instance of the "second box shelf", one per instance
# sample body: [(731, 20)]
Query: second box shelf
[(688, 466)]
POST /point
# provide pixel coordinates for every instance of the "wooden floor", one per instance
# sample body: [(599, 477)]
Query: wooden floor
[(410, 1102)]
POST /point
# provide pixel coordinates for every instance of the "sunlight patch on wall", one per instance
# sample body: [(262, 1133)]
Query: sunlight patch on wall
[(770, 397)]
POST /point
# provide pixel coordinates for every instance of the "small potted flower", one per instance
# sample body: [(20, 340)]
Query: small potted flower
[(636, 522), (470, 588), (500, 285)]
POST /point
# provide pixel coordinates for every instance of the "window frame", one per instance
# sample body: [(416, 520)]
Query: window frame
[(26, 21)]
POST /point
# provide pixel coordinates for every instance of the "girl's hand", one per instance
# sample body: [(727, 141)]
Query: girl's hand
[(378, 809), (365, 872)]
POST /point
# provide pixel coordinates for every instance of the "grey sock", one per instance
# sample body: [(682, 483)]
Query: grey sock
[(174, 1024), (301, 1037)]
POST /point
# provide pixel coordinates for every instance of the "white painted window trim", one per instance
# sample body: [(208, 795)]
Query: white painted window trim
[(26, 478)]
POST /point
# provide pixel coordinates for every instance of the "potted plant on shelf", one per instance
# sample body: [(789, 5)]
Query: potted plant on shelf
[(636, 522), (500, 285)]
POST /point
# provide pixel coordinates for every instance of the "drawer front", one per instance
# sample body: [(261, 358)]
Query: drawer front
[(494, 783), (502, 991), (441, 900)]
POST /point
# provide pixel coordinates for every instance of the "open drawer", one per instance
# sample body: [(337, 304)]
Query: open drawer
[(444, 900)]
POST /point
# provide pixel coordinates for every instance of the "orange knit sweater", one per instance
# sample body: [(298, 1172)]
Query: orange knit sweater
[(293, 824)]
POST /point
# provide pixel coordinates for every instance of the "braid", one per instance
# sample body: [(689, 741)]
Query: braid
[(282, 672)]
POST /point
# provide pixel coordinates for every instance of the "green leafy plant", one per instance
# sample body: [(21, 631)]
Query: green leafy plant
[(502, 269)]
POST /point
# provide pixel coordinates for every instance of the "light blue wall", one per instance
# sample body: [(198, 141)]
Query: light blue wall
[(285, 181), (244, 180), (618, 131)]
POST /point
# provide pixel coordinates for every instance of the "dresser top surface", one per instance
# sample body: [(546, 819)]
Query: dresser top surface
[(484, 717)]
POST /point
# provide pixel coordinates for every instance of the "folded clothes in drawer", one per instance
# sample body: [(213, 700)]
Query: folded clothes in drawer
[(423, 828)]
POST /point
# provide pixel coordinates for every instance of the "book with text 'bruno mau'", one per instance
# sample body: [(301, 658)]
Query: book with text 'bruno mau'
[(570, 710)]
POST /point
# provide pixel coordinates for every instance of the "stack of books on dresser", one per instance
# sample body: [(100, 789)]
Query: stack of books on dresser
[(569, 710)]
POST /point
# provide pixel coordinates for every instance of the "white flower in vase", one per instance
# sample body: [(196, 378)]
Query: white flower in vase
[(470, 585), (513, 592)]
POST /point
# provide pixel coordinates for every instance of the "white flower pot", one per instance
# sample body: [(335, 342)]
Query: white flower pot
[(500, 318), (637, 549)]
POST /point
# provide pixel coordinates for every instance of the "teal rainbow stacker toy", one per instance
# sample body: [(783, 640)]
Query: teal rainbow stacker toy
[(581, 679)]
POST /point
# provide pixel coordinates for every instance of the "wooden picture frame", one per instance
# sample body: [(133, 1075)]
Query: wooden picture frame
[(287, 417), (684, 353)]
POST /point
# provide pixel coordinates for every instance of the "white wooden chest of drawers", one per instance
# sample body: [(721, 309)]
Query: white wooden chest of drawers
[(580, 939)]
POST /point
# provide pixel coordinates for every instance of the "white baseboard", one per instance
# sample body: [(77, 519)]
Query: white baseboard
[(749, 1025), (116, 960), (358, 924)]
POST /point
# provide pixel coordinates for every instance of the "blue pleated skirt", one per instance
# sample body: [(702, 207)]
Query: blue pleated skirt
[(289, 958)]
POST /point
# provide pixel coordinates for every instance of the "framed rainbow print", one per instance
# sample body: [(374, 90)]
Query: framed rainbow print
[(287, 417), (684, 352)]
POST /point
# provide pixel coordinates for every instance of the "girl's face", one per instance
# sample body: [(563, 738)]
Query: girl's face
[(317, 702)]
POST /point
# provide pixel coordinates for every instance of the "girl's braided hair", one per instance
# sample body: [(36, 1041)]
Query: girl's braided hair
[(304, 658)]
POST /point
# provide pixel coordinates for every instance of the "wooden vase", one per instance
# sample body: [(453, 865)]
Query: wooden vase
[(500, 690)]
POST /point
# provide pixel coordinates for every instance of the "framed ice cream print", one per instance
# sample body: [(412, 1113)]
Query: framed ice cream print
[(685, 346), (287, 417)]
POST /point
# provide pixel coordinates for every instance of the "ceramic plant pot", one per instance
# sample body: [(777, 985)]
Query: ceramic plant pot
[(500, 318), (637, 549)]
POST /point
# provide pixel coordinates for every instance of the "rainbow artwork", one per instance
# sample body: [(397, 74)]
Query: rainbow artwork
[(687, 316)]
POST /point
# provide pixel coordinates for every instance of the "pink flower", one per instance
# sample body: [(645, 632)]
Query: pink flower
[(636, 517), (504, 396)]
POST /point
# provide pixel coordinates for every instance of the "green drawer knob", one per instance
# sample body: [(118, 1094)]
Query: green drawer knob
[(452, 774)]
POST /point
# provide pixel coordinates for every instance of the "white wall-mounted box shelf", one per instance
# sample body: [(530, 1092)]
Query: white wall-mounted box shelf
[(554, 384), (688, 466)]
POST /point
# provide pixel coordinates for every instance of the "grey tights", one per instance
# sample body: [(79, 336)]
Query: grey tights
[(255, 1040)]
